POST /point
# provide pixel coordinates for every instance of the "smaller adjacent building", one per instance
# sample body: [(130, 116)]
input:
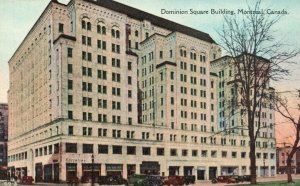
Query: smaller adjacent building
[(3, 139), (282, 155)]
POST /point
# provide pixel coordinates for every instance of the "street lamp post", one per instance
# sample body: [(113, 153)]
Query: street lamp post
[(93, 180), (264, 167)]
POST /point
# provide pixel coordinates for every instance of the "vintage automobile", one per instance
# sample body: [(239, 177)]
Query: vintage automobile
[(137, 180), (153, 180), (224, 179), (174, 181), (189, 179), (74, 180), (27, 180), (145, 180), (112, 180)]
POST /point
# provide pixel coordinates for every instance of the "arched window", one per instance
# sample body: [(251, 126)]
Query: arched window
[(89, 26), (136, 33), (103, 30), (202, 57), (193, 54), (182, 51), (113, 33), (83, 24), (117, 34)]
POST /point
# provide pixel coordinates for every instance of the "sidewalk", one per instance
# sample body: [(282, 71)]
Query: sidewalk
[(280, 177)]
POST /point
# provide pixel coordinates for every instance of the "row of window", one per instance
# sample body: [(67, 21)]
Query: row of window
[(103, 132), (87, 116), (132, 150), (101, 29), (46, 150), (101, 75)]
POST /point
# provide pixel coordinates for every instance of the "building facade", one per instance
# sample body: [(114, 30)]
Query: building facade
[(3, 139), (282, 154), (132, 89), (233, 120)]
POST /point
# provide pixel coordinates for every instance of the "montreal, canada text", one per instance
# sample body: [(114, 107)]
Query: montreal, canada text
[(222, 11)]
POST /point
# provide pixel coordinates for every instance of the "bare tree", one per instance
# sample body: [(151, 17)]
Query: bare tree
[(282, 108), (257, 58)]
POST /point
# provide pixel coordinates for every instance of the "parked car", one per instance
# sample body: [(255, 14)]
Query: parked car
[(174, 180), (137, 179), (27, 180), (189, 179), (145, 180), (246, 178), (112, 180), (73, 180), (153, 180), (224, 179)]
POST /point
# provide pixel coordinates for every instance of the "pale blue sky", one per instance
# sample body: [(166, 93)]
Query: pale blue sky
[(18, 16)]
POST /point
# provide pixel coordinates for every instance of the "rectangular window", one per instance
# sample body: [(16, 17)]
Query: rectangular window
[(173, 152), (71, 147), (102, 149), (70, 114), (117, 149), (160, 151), (129, 80), (70, 99), (71, 130), (131, 150), (87, 148), (194, 153), (129, 66), (70, 52), (70, 84), (60, 27), (70, 68), (146, 151)]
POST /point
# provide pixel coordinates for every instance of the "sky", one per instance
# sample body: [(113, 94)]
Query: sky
[(18, 16)]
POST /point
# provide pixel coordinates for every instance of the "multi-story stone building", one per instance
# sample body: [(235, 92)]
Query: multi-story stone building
[(282, 154), (233, 120), (3, 139), (133, 90)]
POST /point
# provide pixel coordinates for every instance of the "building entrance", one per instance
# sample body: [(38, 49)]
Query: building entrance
[(150, 167), (212, 173)]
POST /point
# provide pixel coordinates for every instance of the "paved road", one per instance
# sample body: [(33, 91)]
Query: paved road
[(281, 177)]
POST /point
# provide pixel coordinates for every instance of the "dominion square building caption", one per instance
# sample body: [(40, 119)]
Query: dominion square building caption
[(142, 94)]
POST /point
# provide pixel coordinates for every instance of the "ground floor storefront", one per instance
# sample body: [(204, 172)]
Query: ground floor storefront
[(85, 172)]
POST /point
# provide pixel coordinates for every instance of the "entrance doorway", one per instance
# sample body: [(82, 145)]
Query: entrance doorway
[(38, 172), (173, 170), (212, 173), (150, 167), (200, 174), (56, 172), (188, 170)]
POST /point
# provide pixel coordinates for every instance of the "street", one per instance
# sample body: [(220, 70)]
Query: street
[(280, 177)]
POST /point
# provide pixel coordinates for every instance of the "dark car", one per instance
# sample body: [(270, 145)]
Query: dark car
[(74, 180), (112, 180), (27, 180), (224, 179), (174, 180), (189, 179), (145, 180), (153, 180), (246, 178)]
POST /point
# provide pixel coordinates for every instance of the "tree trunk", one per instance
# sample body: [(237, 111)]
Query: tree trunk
[(252, 162), (289, 168)]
